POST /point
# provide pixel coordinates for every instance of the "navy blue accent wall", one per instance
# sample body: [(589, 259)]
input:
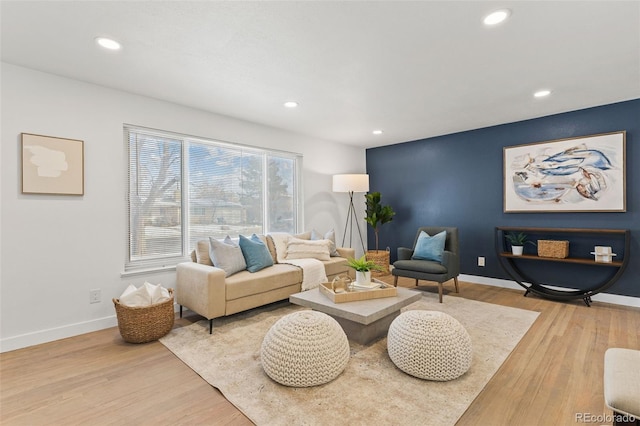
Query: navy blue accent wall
[(456, 180)]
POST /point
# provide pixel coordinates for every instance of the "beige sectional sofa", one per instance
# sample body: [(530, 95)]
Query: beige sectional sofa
[(204, 289)]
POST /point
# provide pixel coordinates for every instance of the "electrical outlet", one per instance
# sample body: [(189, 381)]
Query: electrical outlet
[(95, 296), (480, 261)]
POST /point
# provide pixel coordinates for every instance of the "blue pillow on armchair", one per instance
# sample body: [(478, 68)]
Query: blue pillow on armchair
[(430, 248)]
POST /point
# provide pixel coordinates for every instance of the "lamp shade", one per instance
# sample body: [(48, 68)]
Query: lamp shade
[(351, 183)]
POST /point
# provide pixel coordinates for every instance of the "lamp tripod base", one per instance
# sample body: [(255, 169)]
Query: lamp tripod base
[(351, 218)]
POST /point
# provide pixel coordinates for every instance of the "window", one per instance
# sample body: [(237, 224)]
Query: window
[(183, 189)]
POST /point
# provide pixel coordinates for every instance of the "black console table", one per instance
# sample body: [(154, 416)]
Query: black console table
[(509, 262)]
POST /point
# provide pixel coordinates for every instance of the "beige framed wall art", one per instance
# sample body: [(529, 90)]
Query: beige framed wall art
[(581, 174), (52, 165)]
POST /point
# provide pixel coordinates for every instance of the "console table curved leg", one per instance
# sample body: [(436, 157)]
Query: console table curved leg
[(508, 262)]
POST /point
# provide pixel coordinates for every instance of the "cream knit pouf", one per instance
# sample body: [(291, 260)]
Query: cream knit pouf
[(305, 348), (429, 345)]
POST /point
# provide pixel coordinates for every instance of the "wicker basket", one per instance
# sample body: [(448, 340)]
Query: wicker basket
[(146, 323), (380, 258), (551, 248)]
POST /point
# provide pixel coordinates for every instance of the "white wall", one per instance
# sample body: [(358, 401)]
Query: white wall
[(54, 249)]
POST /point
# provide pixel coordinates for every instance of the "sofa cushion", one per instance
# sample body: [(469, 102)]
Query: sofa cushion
[(270, 245), (304, 235), (430, 248), (428, 267), (226, 255), (307, 249), (202, 253), (255, 252), (279, 242), (335, 266), (277, 276), (331, 236)]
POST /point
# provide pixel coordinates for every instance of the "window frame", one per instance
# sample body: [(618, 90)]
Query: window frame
[(168, 262)]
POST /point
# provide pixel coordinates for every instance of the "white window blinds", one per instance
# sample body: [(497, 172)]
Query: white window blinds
[(184, 189)]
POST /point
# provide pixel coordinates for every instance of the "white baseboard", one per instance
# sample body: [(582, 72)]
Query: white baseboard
[(615, 299), (49, 335)]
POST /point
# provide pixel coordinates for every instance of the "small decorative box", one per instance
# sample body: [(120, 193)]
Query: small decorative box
[(551, 248)]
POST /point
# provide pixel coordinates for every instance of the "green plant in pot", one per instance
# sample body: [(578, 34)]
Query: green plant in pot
[(517, 242), (378, 215), (363, 269)]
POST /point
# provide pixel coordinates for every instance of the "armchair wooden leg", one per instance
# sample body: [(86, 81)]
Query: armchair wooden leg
[(455, 280), (440, 291), (395, 281), (416, 282)]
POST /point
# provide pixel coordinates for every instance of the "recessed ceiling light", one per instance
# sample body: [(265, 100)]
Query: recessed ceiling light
[(377, 132), (496, 17), (108, 43), (290, 104), (542, 93)]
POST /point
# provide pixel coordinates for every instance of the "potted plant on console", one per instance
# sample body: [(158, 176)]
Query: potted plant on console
[(363, 269), (517, 242), (378, 215)]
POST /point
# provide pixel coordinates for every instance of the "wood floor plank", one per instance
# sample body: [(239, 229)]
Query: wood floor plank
[(554, 374)]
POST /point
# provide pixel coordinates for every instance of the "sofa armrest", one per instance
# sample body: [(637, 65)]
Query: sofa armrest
[(451, 262), (201, 288), (346, 252), (404, 253)]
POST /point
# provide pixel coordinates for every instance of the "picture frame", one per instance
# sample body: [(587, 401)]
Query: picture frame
[(52, 165), (581, 174)]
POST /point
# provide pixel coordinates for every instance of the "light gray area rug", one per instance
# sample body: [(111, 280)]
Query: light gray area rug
[(370, 390)]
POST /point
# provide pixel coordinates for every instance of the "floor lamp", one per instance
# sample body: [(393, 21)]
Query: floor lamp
[(351, 183)]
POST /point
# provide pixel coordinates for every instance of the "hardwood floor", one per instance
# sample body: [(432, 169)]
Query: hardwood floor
[(554, 375)]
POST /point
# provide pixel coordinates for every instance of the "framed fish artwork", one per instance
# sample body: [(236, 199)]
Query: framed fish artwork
[(584, 174)]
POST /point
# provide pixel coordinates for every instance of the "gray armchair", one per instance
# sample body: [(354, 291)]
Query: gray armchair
[(430, 270)]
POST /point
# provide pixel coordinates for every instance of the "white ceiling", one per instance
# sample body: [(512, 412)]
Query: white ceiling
[(414, 69)]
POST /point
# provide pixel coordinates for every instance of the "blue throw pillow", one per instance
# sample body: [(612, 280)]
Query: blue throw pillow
[(255, 253), (430, 248)]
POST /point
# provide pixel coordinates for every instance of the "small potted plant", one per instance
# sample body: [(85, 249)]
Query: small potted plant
[(363, 269), (517, 242)]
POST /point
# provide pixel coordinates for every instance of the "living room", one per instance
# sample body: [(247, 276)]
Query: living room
[(56, 249)]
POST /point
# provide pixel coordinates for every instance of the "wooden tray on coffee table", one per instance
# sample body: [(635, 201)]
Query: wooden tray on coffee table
[(385, 290)]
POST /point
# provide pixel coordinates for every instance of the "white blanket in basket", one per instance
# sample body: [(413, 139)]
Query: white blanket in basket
[(148, 294)]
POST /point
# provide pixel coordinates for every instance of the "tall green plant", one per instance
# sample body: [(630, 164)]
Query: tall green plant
[(377, 214)]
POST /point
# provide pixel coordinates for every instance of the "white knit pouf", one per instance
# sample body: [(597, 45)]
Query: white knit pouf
[(430, 345), (306, 348)]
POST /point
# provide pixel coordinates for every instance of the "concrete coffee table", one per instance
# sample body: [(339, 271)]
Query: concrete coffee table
[(363, 321)]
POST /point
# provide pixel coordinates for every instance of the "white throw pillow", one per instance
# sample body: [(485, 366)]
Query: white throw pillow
[(227, 256), (308, 249), (331, 236), (279, 240)]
